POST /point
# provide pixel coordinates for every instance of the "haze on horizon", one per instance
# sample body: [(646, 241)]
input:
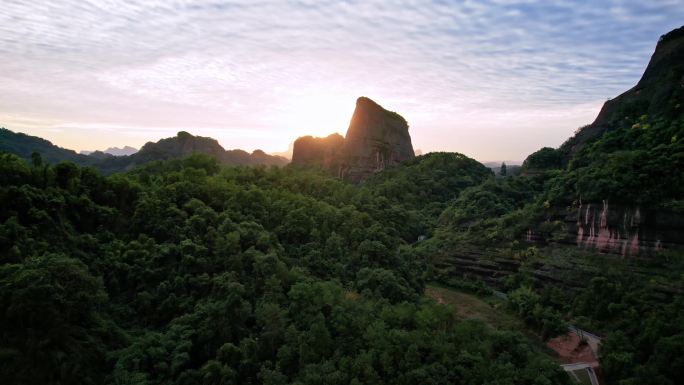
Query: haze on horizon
[(494, 79)]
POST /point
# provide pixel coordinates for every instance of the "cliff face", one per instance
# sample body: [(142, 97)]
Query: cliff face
[(375, 140), (630, 154), (320, 151), (625, 230), (663, 77)]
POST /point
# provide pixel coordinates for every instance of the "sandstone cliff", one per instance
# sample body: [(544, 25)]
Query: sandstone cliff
[(625, 230), (376, 139), (325, 152), (663, 78), (624, 169)]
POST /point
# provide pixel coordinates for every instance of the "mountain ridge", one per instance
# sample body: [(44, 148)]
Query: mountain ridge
[(661, 82), (182, 145), (116, 151)]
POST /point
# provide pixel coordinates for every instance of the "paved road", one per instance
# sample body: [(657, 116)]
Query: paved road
[(580, 365), (592, 339), (588, 366)]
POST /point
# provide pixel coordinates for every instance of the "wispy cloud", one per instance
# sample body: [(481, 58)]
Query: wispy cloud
[(456, 70)]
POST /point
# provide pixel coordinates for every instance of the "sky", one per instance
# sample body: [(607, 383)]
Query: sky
[(493, 79)]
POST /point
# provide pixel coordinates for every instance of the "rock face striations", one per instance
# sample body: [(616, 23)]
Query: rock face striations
[(634, 141), (625, 230), (375, 140)]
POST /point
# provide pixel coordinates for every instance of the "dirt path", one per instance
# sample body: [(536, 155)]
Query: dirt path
[(571, 349)]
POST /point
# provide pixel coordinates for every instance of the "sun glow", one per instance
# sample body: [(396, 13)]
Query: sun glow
[(318, 114)]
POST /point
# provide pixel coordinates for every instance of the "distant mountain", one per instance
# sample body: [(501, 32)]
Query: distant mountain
[(24, 145), (497, 163), (180, 146), (376, 139), (116, 151), (184, 144), (512, 166)]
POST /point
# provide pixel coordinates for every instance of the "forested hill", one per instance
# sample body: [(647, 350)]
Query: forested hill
[(625, 167), (657, 95), (184, 272), (615, 186), (185, 144), (591, 233), (180, 146), (185, 269), (25, 145)]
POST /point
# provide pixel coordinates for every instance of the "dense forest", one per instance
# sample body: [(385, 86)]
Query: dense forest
[(186, 272), (189, 271), (189, 264), (636, 302)]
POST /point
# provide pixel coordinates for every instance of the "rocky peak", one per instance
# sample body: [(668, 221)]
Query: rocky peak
[(659, 92), (183, 144), (370, 120), (376, 139)]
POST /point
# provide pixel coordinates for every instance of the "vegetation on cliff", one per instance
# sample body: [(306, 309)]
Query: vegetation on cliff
[(513, 231)]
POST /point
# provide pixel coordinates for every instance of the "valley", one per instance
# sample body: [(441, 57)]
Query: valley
[(358, 262)]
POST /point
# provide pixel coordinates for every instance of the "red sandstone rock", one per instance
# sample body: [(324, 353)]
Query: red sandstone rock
[(375, 140)]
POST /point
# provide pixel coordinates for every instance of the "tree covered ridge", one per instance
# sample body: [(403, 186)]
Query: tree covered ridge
[(186, 272), (518, 232), (177, 147)]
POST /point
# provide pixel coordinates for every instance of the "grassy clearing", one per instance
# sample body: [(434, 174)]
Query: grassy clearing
[(489, 310), (468, 306)]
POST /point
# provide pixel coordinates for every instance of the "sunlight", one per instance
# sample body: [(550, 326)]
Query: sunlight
[(180, 202), (317, 114)]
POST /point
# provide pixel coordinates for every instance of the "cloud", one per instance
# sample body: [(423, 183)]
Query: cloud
[(450, 67)]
